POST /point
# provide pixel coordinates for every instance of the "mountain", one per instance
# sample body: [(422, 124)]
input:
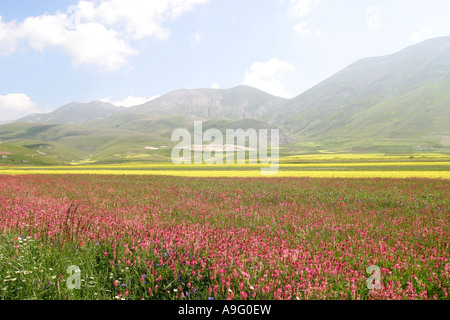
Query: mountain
[(240, 107), (395, 99), (398, 103), (237, 103), (76, 113), (63, 143), (103, 132)]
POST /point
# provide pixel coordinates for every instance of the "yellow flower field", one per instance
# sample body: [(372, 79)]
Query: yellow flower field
[(315, 165), (246, 173)]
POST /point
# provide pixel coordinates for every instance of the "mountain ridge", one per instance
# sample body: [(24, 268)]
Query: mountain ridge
[(393, 103), (236, 103), (372, 86), (76, 113)]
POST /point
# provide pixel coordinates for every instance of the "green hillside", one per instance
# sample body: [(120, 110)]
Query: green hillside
[(398, 103), (16, 154), (402, 100)]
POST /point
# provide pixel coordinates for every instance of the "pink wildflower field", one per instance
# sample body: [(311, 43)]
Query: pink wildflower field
[(175, 238)]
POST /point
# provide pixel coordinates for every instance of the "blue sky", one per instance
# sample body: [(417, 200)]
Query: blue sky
[(53, 52)]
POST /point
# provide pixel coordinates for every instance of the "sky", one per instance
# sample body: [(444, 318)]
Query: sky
[(127, 52)]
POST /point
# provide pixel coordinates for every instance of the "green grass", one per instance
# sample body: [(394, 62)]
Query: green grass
[(18, 155), (34, 270)]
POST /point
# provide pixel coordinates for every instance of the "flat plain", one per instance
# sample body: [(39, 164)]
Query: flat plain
[(149, 231)]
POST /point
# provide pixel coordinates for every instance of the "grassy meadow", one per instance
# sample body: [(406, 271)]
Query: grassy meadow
[(157, 231), (172, 238), (315, 165)]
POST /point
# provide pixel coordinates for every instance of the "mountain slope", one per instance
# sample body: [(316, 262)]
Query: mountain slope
[(76, 113), (237, 103), (66, 143), (395, 103), (401, 96)]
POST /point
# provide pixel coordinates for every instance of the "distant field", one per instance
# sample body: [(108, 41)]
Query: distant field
[(427, 165), (366, 157), (243, 173), (167, 232)]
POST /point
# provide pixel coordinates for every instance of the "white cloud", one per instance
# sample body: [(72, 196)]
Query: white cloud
[(130, 101), (96, 33), (215, 86), (137, 18), (15, 105), (92, 44), (266, 76), (300, 8), (43, 31), (300, 28), (374, 20), (8, 39)]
